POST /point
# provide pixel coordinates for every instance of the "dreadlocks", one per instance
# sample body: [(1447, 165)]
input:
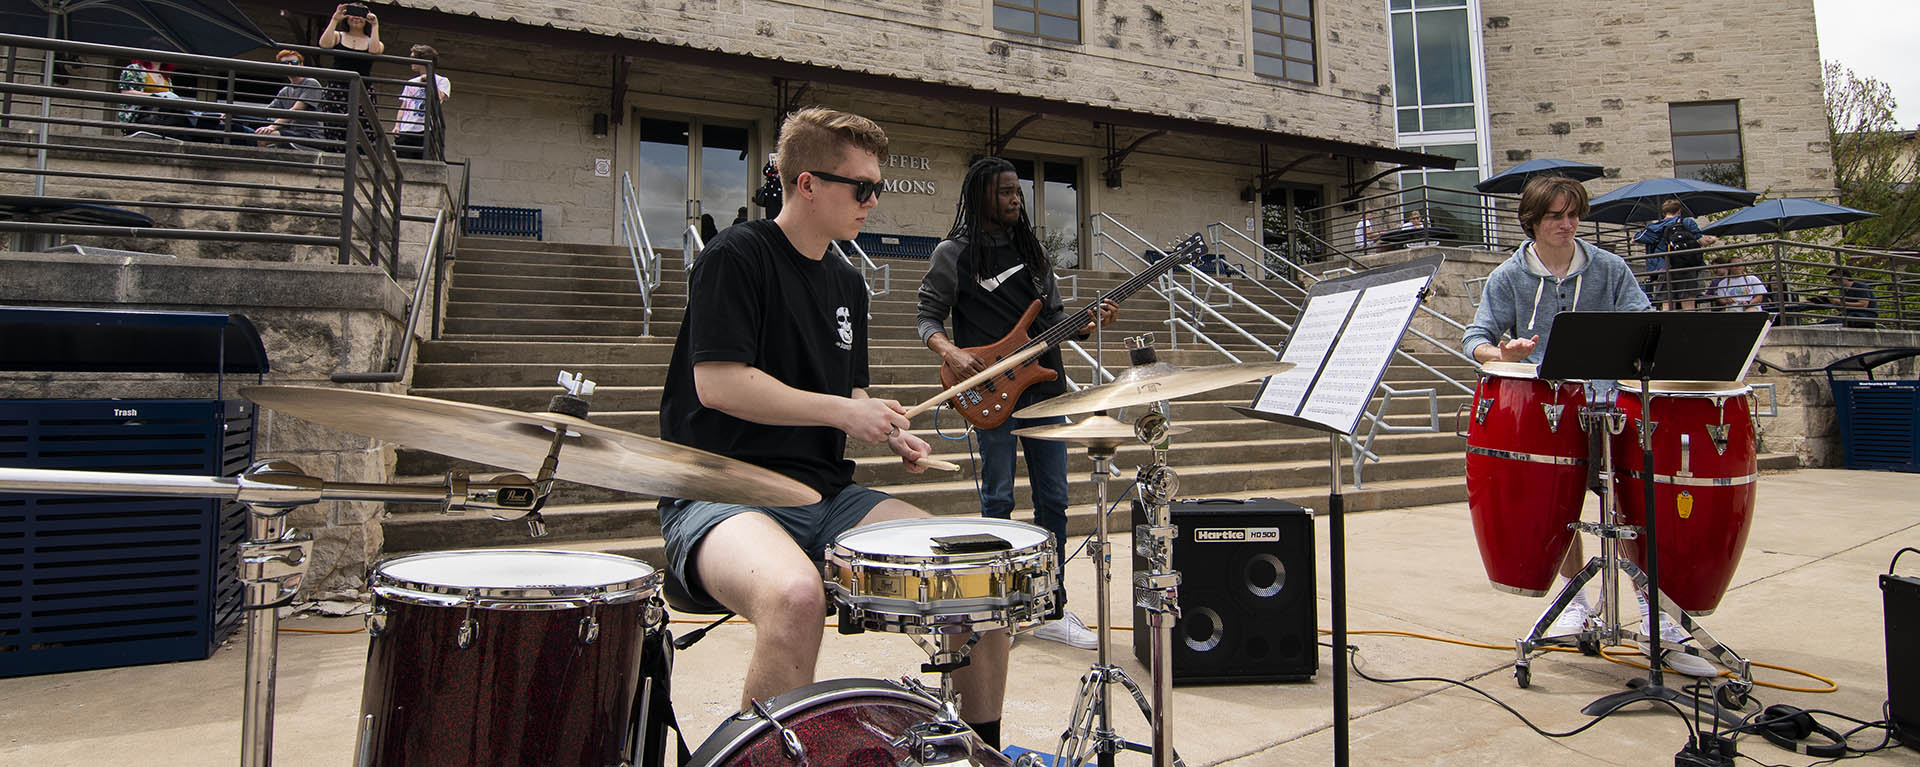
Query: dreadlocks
[(976, 204)]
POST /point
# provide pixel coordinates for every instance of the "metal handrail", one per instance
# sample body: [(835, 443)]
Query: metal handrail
[(646, 263), (865, 264), (429, 264)]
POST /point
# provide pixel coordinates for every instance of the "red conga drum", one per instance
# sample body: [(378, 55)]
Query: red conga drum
[(506, 657), (846, 723), (1526, 473), (1704, 470)]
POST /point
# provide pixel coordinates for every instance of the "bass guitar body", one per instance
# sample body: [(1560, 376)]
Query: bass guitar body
[(991, 403)]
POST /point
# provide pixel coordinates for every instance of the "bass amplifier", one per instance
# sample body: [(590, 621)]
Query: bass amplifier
[(1902, 598), (1247, 603)]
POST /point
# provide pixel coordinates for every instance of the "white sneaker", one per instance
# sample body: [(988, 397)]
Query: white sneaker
[(1572, 620), (1672, 634), (1068, 631)]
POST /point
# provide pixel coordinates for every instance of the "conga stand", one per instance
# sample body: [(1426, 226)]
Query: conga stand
[(1645, 346)]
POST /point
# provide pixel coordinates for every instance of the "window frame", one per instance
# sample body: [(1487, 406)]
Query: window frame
[(1280, 15), (1740, 139), (1033, 7)]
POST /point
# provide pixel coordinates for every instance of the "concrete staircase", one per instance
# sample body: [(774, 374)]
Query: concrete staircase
[(520, 311)]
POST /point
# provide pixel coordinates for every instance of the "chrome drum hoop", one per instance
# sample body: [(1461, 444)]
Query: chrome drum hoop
[(635, 581)]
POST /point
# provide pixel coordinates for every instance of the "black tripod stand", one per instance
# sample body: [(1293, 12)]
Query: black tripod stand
[(1648, 346)]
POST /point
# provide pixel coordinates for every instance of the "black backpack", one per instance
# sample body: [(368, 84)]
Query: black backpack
[(1678, 236)]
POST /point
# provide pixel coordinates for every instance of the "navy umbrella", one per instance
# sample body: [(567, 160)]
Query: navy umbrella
[(1514, 179), (1787, 214), (1641, 200), (205, 27)]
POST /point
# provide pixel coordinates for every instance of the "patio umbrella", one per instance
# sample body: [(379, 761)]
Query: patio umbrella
[(1514, 179), (1640, 200), (204, 27), (1787, 214)]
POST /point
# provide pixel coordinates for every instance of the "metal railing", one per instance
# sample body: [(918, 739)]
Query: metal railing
[(429, 266), (82, 158), (1796, 282), (646, 262), (1420, 215), (865, 264)]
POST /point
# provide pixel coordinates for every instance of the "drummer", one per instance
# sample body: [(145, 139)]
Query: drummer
[(770, 367), (1552, 272)]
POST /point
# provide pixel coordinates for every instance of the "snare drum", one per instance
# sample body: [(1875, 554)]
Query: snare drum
[(1705, 468), (505, 657), (1526, 473), (892, 576), (847, 723)]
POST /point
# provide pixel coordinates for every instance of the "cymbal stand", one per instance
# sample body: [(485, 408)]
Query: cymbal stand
[(1157, 590), (273, 560), (1090, 726)]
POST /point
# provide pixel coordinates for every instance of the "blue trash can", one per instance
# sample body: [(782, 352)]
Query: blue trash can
[(1879, 417)]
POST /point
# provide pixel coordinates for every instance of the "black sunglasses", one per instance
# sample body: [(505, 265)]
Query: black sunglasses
[(862, 190)]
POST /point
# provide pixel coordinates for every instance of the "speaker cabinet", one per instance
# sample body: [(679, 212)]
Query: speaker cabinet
[(1902, 599), (1247, 605)]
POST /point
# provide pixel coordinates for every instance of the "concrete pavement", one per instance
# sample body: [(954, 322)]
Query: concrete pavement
[(1805, 596)]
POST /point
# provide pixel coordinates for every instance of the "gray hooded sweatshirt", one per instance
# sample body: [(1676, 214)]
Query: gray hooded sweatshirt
[(1521, 297)]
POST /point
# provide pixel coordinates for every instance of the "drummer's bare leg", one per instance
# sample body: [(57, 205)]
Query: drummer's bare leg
[(1576, 558), (749, 564), (983, 683)]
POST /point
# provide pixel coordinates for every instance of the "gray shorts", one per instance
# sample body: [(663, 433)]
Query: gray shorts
[(685, 524)]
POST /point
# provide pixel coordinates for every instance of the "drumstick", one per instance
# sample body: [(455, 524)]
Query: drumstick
[(935, 463), (975, 380)]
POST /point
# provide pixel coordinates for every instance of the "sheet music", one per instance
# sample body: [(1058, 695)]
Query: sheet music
[(1353, 370), (1313, 336)]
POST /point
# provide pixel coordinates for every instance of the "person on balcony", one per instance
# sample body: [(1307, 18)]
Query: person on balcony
[(1675, 263), (353, 28), (148, 78), (410, 123), (300, 94), (1737, 291)]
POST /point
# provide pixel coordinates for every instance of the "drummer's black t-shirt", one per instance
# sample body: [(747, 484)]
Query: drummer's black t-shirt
[(752, 298)]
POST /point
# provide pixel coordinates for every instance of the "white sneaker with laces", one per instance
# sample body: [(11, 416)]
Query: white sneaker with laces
[(1068, 631), (1671, 633), (1572, 620)]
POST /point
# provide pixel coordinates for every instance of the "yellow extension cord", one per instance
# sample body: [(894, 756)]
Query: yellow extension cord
[(1831, 686)]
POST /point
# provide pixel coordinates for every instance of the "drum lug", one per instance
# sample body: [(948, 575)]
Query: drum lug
[(590, 625), (1718, 433), (1480, 409), (1686, 454), (377, 621), (468, 626), (1553, 413), (789, 740)]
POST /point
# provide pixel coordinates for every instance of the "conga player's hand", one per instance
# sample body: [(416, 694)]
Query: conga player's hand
[(1517, 349)]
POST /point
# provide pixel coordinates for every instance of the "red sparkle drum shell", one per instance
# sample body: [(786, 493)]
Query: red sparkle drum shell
[(1705, 494), (846, 723), (1526, 474), (547, 674)]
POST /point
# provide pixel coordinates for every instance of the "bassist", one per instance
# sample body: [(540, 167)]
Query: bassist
[(986, 273)]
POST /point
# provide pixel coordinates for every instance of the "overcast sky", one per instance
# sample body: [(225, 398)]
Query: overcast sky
[(1876, 38)]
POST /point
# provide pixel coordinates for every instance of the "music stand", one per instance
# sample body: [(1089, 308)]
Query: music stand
[(1671, 346)]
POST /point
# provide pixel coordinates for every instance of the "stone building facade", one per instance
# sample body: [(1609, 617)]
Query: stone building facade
[(1597, 86)]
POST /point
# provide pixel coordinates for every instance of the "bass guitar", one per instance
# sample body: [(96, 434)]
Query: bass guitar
[(990, 403)]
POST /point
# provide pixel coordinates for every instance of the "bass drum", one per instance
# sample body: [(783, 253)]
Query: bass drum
[(847, 723)]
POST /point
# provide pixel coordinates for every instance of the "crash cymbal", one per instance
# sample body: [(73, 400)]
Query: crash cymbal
[(1152, 383), (1093, 431), (518, 441)]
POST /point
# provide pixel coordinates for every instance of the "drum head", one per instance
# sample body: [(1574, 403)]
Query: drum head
[(1689, 388), (1510, 369), (914, 537), (514, 576)]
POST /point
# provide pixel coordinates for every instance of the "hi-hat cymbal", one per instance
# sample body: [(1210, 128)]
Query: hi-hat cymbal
[(1094, 431), (592, 454), (1152, 383)]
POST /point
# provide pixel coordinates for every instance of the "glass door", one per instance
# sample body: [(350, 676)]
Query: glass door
[(1053, 206), (688, 168)]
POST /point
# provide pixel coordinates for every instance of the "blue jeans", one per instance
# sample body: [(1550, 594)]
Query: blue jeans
[(1046, 474)]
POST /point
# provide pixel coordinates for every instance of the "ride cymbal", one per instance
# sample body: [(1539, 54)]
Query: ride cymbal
[(1152, 383), (1094, 431), (519, 441)]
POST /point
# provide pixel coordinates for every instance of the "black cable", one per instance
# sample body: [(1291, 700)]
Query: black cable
[(1896, 558), (1353, 653)]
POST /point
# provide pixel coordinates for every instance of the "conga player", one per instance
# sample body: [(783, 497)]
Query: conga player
[(1552, 272), (770, 367)]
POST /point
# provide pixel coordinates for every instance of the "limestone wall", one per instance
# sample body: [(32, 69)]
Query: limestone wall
[(1594, 85)]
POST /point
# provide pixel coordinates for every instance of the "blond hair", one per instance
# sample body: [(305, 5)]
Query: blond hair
[(816, 138)]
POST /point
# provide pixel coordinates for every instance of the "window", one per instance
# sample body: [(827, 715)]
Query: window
[(1051, 19), (1283, 40), (1054, 207), (1433, 86), (1706, 142), (1448, 199)]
